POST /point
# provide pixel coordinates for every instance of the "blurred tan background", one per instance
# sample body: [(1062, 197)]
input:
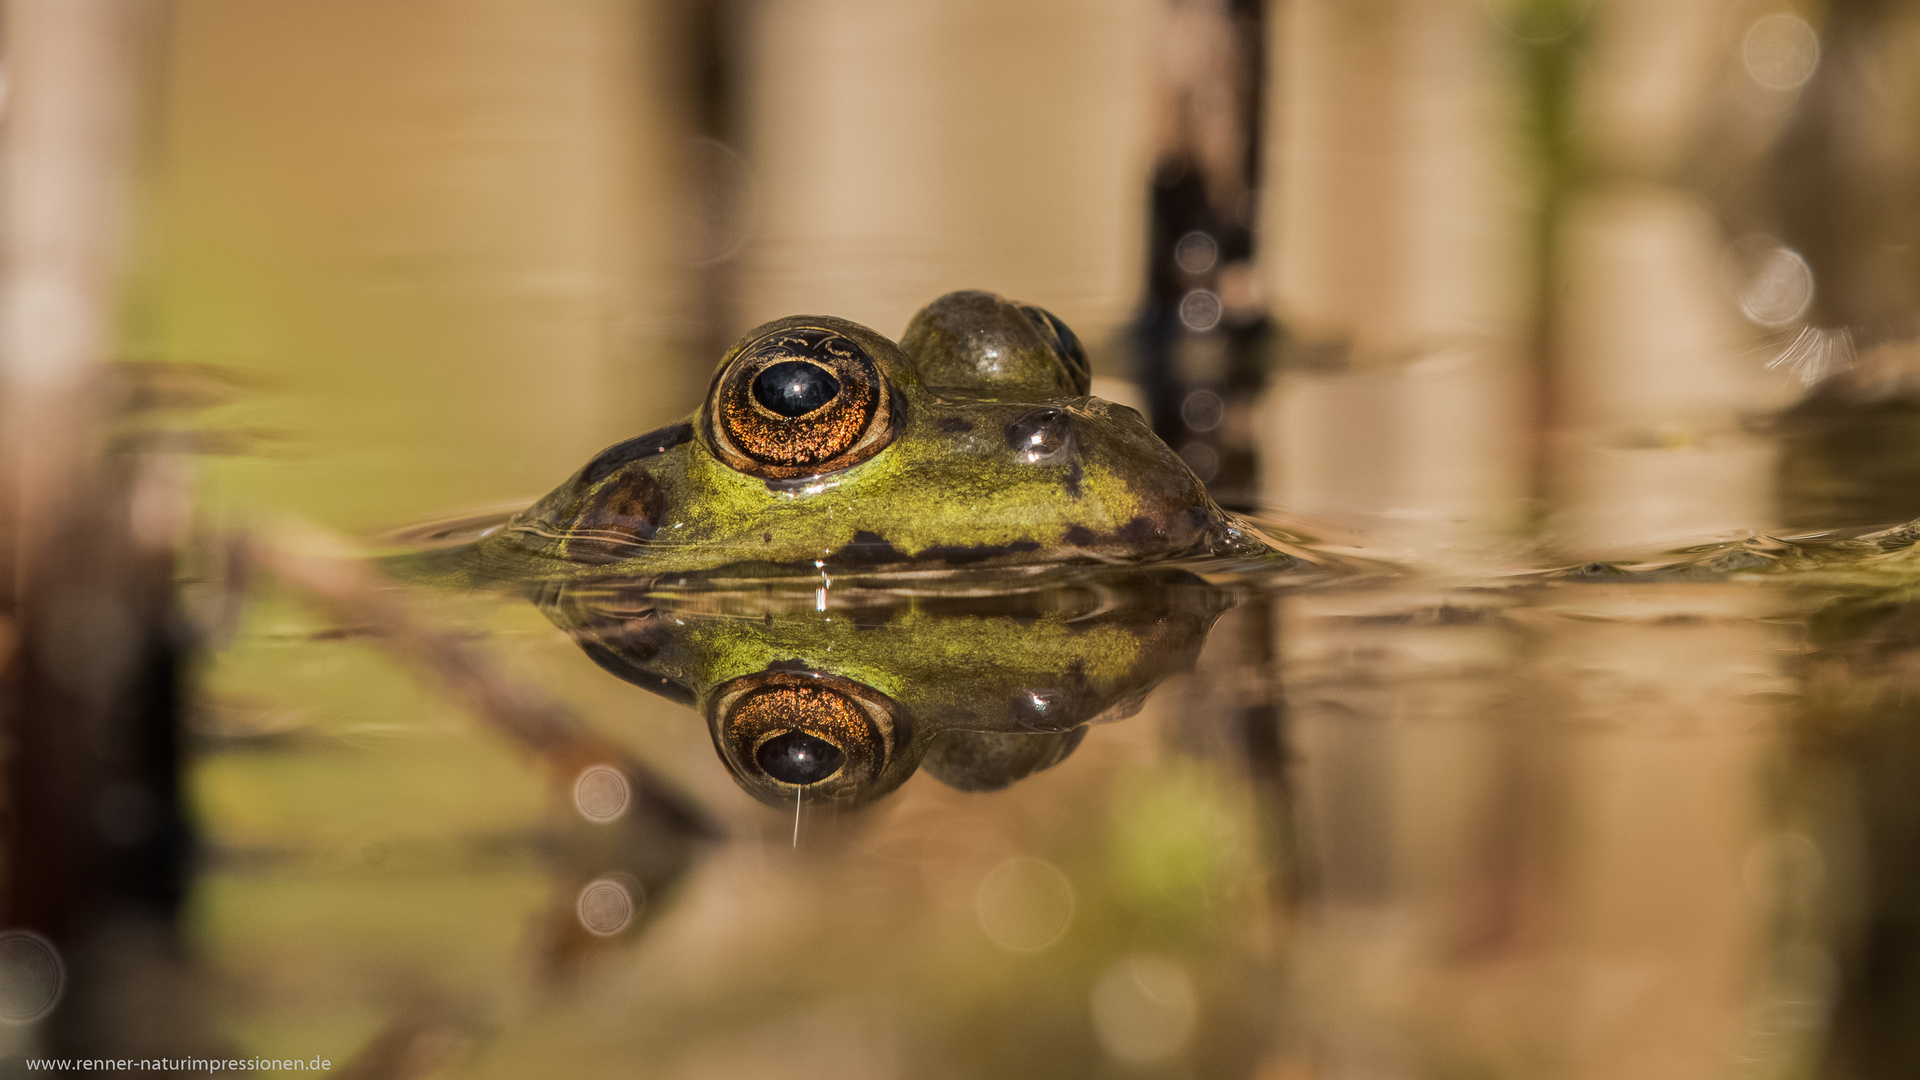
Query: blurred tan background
[(1479, 284), (463, 245), (1503, 243)]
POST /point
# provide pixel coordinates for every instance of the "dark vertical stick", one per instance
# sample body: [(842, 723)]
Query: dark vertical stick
[(720, 196), (1198, 298)]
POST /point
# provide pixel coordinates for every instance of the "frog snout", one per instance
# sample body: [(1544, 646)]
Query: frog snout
[(1041, 436)]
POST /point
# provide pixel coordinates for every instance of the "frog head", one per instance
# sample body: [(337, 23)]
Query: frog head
[(823, 445)]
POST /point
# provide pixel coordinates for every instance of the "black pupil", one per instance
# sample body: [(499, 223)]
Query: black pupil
[(794, 388), (799, 758)]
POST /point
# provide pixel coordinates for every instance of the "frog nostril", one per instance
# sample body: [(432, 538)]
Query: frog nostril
[(795, 388), (1040, 433), (799, 759)]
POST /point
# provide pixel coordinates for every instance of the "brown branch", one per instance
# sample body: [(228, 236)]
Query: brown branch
[(317, 566)]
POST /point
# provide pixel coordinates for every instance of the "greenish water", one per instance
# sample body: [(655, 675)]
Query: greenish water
[(1465, 811), (1321, 823)]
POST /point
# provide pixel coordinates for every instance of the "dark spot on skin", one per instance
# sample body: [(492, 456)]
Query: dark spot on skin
[(634, 640), (1140, 530), (992, 760), (766, 538), (953, 425), (961, 555), (870, 618), (1073, 477), (1192, 529), (869, 547), (631, 504), (635, 449), (622, 666), (986, 607)]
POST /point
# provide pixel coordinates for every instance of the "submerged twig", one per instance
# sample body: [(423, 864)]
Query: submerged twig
[(312, 562)]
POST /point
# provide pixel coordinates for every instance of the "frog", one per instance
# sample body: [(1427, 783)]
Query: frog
[(835, 699), (822, 445)]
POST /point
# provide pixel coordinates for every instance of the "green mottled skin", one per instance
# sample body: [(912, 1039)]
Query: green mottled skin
[(951, 489), (1090, 646), (913, 658), (931, 488)]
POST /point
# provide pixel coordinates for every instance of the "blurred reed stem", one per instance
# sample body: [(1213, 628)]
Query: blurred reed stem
[(96, 844)]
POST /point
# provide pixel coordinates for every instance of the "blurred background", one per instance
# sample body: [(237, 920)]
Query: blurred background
[(1471, 283), (1450, 273)]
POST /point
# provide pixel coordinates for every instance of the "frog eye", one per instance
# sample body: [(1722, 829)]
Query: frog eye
[(799, 401), (785, 733), (794, 388)]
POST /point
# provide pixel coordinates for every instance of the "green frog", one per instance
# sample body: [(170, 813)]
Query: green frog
[(837, 696), (822, 445)]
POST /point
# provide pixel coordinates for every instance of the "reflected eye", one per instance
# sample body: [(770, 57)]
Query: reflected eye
[(782, 732), (799, 759), (799, 401)]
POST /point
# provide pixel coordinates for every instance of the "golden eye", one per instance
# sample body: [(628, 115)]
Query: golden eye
[(786, 732), (799, 400)]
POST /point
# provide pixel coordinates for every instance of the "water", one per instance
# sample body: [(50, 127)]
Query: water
[(1577, 747), (1340, 820)]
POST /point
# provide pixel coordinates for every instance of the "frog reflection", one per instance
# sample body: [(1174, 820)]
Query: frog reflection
[(839, 697), (971, 442)]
